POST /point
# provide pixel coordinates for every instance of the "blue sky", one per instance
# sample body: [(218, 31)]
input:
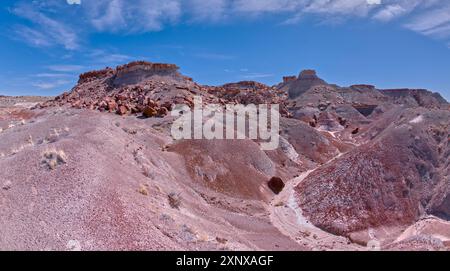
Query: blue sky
[(44, 45)]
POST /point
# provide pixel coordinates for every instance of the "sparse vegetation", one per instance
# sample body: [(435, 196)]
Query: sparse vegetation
[(188, 233), (143, 190), (279, 204), (7, 185), (53, 136), (203, 237), (174, 200), (130, 131), (148, 172), (30, 140), (221, 240), (53, 158)]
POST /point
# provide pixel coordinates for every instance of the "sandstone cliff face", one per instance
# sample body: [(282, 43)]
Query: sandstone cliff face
[(139, 71)]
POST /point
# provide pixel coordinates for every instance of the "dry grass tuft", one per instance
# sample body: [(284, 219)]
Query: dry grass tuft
[(30, 140), (143, 190), (53, 158)]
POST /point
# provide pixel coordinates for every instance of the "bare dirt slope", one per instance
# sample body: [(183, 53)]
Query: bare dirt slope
[(111, 186)]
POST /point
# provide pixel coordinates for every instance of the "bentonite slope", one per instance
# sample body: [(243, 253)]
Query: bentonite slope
[(357, 168)]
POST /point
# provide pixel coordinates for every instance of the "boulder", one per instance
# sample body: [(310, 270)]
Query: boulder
[(162, 111), (123, 110), (112, 106), (276, 185), (150, 112)]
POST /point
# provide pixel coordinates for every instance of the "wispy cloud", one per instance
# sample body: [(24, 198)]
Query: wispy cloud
[(131, 17), (257, 75), (390, 12), (211, 10), (32, 36), (74, 2), (65, 68), (435, 22), (46, 31), (55, 25), (50, 84), (52, 75), (260, 6), (103, 57)]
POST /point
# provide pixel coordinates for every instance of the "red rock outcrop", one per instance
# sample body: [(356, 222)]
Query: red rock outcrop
[(93, 75), (131, 89), (245, 85)]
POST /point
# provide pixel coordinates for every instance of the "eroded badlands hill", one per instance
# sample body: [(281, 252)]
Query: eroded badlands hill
[(96, 168)]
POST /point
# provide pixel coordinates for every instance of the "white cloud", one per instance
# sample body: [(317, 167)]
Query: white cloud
[(31, 36), (435, 22), (65, 68), (52, 75), (130, 17), (103, 57), (267, 5), (257, 75), (358, 8), (390, 12), (211, 10), (74, 2), (106, 16), (50, 85), (47, 31)]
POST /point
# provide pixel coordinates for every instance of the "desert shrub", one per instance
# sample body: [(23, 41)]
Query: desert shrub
[(53, 158), (143, 190), (174, 200)]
